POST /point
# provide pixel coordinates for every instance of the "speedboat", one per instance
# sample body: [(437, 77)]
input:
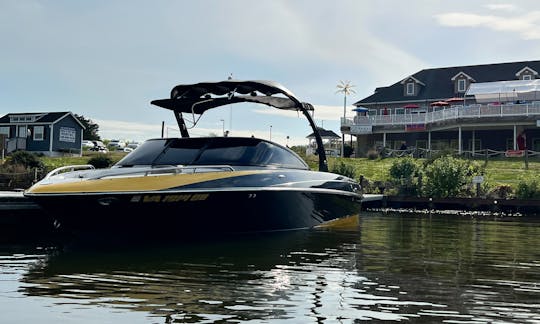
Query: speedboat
[(182, 186)]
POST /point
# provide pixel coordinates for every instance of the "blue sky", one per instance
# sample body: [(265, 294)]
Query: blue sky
[(107, 60)]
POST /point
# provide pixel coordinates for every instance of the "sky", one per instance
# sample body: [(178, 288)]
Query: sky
[(107, 59)]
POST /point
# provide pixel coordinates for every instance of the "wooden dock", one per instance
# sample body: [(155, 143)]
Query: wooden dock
[(509, 206)]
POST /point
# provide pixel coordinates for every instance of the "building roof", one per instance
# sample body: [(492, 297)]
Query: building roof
[(438, 82), (325, 134), (45, 118)]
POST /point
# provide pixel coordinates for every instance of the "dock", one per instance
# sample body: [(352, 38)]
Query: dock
[(508, 206)]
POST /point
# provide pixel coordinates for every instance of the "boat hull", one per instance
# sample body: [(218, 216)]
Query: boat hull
[(188, 213)]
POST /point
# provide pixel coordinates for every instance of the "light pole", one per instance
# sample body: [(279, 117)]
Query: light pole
[(346, 88), (270, 132), (222, 127)]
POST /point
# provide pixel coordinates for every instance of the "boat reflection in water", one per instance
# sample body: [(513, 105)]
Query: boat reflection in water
[(186, 186), (421, 268)]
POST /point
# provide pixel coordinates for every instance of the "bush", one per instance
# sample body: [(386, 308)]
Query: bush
[(404, 173), (501, 192), (101, 161), (343, 169), (447, 176), (27, 159), (528, 188)]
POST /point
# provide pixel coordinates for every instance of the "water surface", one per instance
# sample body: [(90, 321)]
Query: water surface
[(395, 267)]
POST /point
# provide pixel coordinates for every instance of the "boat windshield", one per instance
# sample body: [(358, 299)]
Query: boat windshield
[(212, 151)]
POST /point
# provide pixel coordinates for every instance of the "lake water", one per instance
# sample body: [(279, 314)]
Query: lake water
[(395, 267)]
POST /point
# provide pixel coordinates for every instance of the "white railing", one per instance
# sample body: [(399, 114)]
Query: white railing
[(451, 113)]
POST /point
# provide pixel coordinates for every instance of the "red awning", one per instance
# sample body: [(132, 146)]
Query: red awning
[(411, 106), (454, 99), (439, 103)]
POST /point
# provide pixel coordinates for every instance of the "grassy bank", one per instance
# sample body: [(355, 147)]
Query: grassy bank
[(498, 172)]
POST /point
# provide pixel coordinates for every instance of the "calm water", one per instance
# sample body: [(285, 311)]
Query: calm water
[(408, 267)]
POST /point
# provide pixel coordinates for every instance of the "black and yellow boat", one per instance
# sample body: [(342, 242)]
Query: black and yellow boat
[(214, 184)]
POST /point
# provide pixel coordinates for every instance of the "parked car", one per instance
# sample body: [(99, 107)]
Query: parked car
[(88, 143), (99, 147), (133, 145), (117, 144)]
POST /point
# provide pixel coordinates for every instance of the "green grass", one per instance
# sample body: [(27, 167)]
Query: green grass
[(498, 172)]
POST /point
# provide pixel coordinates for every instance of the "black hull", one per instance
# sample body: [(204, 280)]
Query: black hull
[(194, 213)]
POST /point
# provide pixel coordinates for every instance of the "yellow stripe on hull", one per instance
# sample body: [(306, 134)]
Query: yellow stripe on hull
[(135, 184), (344, 223)]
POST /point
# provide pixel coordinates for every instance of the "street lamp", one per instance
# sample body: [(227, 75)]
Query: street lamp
[(270, 132), (222, 127)]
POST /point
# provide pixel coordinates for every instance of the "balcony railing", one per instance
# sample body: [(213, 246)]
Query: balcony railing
[(451, 113)]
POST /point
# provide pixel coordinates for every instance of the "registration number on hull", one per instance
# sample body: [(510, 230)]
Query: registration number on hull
[(168, 198)]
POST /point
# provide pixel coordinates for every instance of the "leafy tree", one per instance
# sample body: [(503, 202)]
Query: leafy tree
[(91, 129)]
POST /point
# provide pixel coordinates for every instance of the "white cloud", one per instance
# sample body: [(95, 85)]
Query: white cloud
[(501, 6), (525, 26), (322, 112), (134, 131)]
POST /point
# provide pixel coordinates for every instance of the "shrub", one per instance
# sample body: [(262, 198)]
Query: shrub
[(101, 161), (447, 176), (528, 188), (501, 192), (404, 173), (27, 159), (343, 169)]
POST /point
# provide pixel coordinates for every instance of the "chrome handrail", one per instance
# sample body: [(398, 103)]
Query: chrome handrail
[(167, 169), (71, 168)]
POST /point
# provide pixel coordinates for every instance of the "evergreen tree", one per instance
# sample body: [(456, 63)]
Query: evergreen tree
[(91, 129)]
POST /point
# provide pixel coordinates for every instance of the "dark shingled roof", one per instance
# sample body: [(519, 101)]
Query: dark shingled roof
[(438, 83)]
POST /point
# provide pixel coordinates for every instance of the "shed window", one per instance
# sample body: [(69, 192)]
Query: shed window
[(39, 133), (527, 77)]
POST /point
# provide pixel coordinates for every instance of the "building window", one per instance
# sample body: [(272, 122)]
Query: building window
[(527, 77), (4, 131), (462, 85), (410, 89), (400, 111), (39, 133)]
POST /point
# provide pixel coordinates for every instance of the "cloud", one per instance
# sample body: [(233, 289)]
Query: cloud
[(525, 26), (323, 112), (501, 6), (139, 132)]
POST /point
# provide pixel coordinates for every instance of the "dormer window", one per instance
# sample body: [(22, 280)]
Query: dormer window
[(461, 82), (411, 86), (410, 89), (462, 85), (526, 74)]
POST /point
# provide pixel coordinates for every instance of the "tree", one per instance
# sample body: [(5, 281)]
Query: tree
[(346, 88), (91, 129)]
